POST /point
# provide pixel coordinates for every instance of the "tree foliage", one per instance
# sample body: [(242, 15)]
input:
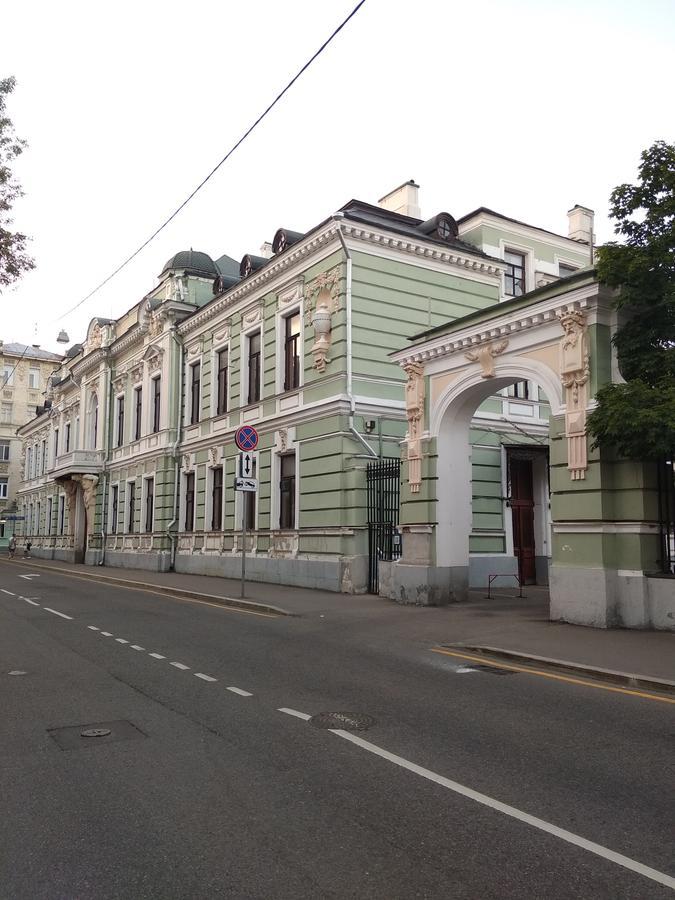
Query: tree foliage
[(14, 259), (638, 418)]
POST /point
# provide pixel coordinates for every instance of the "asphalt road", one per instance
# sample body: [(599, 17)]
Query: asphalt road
[(469, 784)]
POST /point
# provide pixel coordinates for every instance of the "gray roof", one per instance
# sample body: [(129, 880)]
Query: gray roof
[(194, 262), (29, 351)]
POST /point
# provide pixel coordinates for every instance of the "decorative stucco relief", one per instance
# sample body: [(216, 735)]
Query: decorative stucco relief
[(322, 301), (414, 407), (574, 374), (486, 355)]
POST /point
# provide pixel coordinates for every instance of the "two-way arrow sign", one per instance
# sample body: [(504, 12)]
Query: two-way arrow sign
[(245, 464)]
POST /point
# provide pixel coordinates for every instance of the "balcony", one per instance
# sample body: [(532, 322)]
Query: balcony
[(77, 462)]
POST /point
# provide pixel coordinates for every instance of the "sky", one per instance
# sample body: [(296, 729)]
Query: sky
[(524, 106)]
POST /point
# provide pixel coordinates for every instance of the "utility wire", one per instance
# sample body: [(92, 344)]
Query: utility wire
[(215, 168), (8, 378)]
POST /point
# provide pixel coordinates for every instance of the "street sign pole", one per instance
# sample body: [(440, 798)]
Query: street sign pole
[(246, 439), (244, 501)]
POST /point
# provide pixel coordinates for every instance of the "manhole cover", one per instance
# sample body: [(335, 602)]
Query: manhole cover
[(344, 721), (73, 737), (17, 672)]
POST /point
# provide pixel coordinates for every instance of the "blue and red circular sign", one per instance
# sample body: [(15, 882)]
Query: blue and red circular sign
[(246, 437)]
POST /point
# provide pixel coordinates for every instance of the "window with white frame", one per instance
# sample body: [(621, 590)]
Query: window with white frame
[(34, 378), (514, 276), (149, 487), (250, 500), (114, 504), (4, 488), (8, 376), (189, 509), (120, 421), (292, 335), (156, 403), (287, 491), (43, 457), (222, 360), (217, 499), (66, 438), (93, 422), (131, 506), (29, 462), (519, 390), (254, 366), (48, 521), (195, 371), (4, 451), (56, 443), (38, 517), (6, 414), (138, 411), (62, 514)]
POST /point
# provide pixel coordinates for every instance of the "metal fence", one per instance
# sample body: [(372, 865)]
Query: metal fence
[(666, 490), (384, 496)]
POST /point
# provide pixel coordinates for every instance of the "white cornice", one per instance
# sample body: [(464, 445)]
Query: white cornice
[(532, 232), (499, 326)]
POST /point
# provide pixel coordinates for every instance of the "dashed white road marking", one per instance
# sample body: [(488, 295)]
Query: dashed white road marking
[(137, 647), (568, 836), (236, 690), (106, 634), (179, 665), (7, 592), (204, 677), (156, 655), (57, 613), (121, 641), (93, 628), (32, 602), (294, 712)]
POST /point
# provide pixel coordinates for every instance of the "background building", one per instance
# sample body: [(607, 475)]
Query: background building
[(24, 373)]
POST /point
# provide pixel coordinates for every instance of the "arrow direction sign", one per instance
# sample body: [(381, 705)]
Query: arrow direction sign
[(246, 484), (245, 465), (28, 577)]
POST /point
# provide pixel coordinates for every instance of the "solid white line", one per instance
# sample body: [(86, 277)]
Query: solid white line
[(591, 846), (92, 627), (239, 691), (57, 613), (7, 592), (32, 602), (121, 641), (106, 634), (294, 712), (157, 655), (179, 665), (136, 647), (204, 677)]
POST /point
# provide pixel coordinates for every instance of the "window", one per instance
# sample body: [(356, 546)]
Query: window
[(195, 375), (29, 462), (564, 270), (62, 513), (114, 502), (43, 455), (34, 378), (7, 413), (4, 451), (291, 352), (217, 500), (93, 421), (253, 368), (38, 518), (8, 376), (189, 501), (56, 443), (120, 421), (48, 522), (131, 506), (149, 503), (222, 359), (4, 488), (250, 501), (66, 438), (77, 431), (514, 277), (287, 491), (138, 411), (520, 390), (156, 402)]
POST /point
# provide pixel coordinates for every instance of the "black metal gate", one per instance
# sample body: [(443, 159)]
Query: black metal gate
[(384, 495), (666, 490)]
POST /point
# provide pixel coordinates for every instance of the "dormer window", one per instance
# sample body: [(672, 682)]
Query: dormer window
[(514, 277), (441, 227)]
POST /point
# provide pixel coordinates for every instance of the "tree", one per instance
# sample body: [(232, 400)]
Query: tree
[(638, 418), (14, 260)]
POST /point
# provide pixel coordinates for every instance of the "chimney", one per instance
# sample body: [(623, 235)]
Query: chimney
[(266, 250), (581, 224), (403, 200)]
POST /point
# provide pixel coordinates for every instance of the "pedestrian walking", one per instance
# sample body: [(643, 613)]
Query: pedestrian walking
[(26, 552), (12, 547)]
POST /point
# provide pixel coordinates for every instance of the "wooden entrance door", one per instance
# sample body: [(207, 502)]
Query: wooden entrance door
[(522, 511)]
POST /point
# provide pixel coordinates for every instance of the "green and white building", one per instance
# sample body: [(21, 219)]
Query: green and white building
[(306, 342)]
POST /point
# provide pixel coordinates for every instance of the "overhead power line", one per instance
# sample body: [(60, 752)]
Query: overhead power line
[(213, 171)]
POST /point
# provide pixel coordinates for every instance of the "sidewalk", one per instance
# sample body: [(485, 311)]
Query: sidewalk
[(505, 622)]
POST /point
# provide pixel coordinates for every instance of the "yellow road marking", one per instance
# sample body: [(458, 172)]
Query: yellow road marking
[(594, 684), (126, 587)]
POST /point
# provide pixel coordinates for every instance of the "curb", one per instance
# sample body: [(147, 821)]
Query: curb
[(168, 590), (643, 681)]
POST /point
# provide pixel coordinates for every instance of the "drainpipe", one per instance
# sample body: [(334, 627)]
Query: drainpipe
[(175, 446), (108, 442), (348, 304)]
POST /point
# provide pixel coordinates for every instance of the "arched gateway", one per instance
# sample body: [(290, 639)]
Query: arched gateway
[(603, 510)]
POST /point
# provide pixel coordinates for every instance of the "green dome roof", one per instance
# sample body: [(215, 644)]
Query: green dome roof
[(193, 262)]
